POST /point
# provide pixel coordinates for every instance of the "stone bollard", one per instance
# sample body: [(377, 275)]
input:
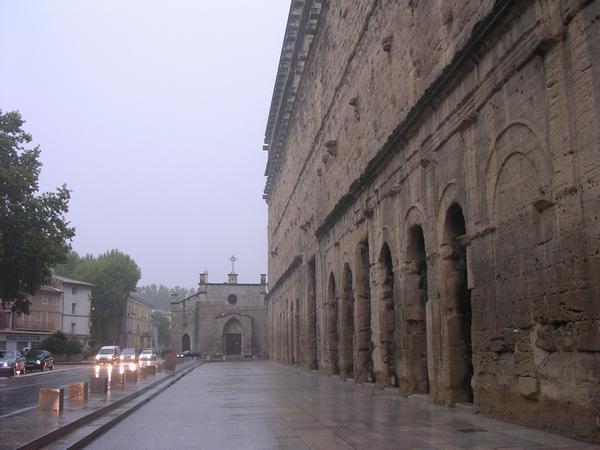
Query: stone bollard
[(131, 376), (158, 367), (78, 391), (170, 361), (149, 371), (51, 399), (99, 385), (118, 380)]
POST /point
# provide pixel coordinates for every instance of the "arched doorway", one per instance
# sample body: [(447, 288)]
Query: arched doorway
[(332, 326), (416, 298), (185, 342), (388, 325), (232, 337), (457, 308), (347, 325), (363, 348)]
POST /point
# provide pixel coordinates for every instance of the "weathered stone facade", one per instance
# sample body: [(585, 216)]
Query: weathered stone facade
[(434, 202), (221, 319)]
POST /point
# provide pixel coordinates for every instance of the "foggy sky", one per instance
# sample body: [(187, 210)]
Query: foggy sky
[(153, 113)]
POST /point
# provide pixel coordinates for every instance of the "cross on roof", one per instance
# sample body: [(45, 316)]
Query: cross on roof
[(233, 259)]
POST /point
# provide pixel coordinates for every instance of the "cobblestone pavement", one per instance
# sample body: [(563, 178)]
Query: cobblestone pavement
[(263, 405)]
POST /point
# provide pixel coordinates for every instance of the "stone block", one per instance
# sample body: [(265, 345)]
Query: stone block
[(78, 391), (117, 380), (99, 385), (149, 371), (529, 387), (51, 399), (131, 376)]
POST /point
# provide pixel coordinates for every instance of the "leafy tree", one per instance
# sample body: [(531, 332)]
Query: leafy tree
[(114, 275), (161, 296), (164, 329), (56, 343), (34, 234)]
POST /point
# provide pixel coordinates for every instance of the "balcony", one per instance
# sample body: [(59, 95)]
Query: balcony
[(35, 325)]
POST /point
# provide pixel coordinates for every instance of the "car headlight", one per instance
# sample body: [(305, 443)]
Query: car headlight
[(38, 361), (5, 364), (121, 357), (97, 356)]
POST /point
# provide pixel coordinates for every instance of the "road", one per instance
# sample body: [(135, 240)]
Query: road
[(21, 392)]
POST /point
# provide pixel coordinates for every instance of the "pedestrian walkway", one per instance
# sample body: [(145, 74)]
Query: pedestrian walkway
[(263, 405)]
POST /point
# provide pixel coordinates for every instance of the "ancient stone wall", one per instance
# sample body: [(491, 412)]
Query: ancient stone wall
[(434, 221)]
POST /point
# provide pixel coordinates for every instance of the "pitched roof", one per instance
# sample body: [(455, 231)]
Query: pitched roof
[(71, 281)]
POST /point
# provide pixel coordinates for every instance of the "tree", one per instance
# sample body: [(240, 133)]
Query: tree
[(114, 275), (164, 329), (34, 235)]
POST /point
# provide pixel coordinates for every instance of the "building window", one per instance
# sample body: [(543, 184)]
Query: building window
[(73, 307), (72, 327), (44, 299), (74, 291), (232, 299)]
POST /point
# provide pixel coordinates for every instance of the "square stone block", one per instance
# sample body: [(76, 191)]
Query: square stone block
[(149, 370), (51, 399), (99, 385), (117, 380), (78, 391), (131, 376)]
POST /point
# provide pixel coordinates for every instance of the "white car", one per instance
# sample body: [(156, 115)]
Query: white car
[(108, 354), (147, 355)]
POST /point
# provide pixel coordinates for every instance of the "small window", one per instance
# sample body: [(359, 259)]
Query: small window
[(44, 300), (232, 299), (72, 327), (73, 307), (74, 291)]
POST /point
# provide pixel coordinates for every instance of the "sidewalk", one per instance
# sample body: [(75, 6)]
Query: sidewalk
[(20, 429), (264, 405)]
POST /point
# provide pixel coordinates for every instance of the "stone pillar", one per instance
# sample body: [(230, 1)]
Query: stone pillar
[(99, 385), (51, 399), (78, 391)]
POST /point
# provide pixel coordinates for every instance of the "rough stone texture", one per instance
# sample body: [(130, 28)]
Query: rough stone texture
[(51, 399), (98, 385), (471, 154), (202, 321), (78, 391)]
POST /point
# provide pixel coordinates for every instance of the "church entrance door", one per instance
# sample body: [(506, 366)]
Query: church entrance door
[(233, 344)]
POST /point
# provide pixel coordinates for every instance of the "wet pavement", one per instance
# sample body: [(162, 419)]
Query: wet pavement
[(16, 429), (264, 405)]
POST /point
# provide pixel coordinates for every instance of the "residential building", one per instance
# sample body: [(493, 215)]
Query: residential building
[(137, 324), (76, 307)]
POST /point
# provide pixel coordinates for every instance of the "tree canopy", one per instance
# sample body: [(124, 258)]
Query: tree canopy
[(114, 275), (161, 296), (34, 235)]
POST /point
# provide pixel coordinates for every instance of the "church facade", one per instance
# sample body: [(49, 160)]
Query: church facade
[(221, 319)]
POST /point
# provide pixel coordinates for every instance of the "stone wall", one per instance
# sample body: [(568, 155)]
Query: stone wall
[(434, 221)]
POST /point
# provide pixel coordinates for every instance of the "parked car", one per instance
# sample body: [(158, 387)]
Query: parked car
[(39, 360), (147, 354), (108, 354), (12, 362), (188, 354), (128, 355)]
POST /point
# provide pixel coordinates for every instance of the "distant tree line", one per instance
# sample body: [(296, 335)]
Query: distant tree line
[(161, 296)]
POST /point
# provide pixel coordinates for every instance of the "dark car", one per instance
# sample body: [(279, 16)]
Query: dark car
[(11, 362), (129, 355), (188, 354), (39, 360)]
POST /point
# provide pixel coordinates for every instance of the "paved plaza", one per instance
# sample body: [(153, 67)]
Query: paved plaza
[(264, 405)]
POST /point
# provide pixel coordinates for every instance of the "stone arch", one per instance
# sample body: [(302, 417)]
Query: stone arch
[(452, 193), (518, 155), (384, 273), (311, 312), (363, 346), (347, 325), (332, 325), (233, 334), (456, 308), (185, 342)]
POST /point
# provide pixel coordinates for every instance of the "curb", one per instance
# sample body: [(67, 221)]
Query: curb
[(69, 428)]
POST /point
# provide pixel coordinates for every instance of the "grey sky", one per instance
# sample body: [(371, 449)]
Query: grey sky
[(153, 113)]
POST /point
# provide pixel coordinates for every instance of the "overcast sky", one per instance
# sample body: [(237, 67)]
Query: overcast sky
[(153, 113)]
